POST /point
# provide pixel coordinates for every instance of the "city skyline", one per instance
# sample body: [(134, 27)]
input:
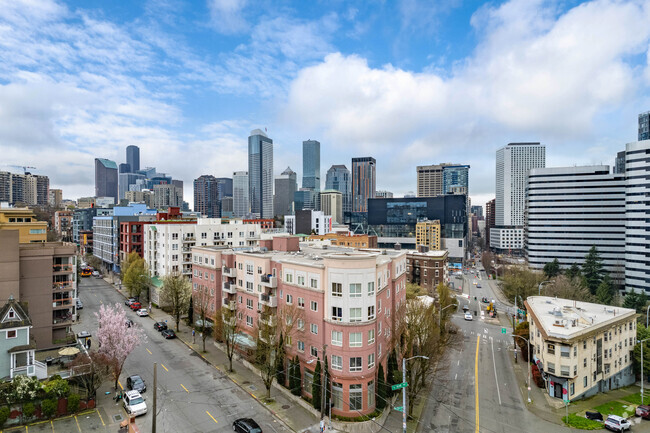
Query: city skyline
[(318, 71)]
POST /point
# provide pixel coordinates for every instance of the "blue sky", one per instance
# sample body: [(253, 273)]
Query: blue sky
[(408, 82)]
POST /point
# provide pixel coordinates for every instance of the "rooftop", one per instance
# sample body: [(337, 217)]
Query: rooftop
[(566, 319), (430, 253)]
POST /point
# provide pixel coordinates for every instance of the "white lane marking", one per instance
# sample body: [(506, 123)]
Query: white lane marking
[(495, 374), (458, 362), (485, 330), (456, 376)]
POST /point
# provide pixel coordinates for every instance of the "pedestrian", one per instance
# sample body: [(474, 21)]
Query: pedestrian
[(322, 426), (193, 336), (149, 307)]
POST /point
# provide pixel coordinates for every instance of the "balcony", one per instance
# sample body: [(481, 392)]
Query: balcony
[(63, 285), (37, 369), (59, 319), (62, 267), (229, 288), (232, 305), (229, 272), (268, 300), (188, 238), (269, 320), (64, 302), (269, 281)]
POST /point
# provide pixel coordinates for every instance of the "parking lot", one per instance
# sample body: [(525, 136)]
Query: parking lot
[(87, 421)]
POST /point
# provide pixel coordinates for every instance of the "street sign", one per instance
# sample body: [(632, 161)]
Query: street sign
[(399, 386), (399, 408), (504, 330)]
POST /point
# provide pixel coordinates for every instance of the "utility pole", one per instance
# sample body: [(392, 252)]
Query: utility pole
[(155, 388), (324, 384), (404, 394)]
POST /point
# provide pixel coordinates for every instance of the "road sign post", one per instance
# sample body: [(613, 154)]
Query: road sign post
[(504, 330), (399, 386), (399, 408)]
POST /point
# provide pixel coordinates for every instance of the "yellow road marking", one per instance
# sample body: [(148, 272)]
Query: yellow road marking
[(77, 421), (149, 351), (163, 366), (52, 424), (478, 340), (185, 388), (119, 383), (211, 417), (100, 418)]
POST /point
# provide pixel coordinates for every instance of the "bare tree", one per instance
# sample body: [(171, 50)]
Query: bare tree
[(202, 304), (91, 370), (229, 331), (569, 288), (176, 290)]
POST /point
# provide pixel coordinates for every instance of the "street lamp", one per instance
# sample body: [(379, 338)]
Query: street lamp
[(641, 343), (443, 309), (539, 288), (529, 366), (404, 389)]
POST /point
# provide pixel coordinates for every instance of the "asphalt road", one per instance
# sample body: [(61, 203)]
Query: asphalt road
[(192, 395)]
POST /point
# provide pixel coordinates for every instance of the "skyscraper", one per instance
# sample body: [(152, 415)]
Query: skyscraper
[(106, 178), (224, 187), (364, 182), (339, 178), (637, 207), (285, 187), (332, 204), (167, 195), (454, 177), (311, 164), (429, 180), (206, 196), (512, 164), (260, 174), (644, 126), (133, 158), (240, 201)]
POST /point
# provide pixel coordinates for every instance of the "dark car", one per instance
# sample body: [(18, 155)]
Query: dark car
[(168, 333), (160, 326), (485, 300), (465, 307), (246, 425), (128, 323), (135, 306), (136, 383), (643, 411), (594, 415)]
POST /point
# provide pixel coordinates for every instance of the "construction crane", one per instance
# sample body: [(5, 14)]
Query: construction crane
[(24, 167)]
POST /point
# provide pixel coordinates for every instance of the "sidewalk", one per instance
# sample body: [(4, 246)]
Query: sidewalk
[(294, 416)]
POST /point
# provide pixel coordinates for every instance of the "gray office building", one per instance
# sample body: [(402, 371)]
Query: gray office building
[(285, 186), (224, 187), (311, 164), (644, 126), (125, 181), (106, 178), (206, 196), (260, 174), (364, 182), (339, 178), (240, 201), (619, 165), (133, 158)]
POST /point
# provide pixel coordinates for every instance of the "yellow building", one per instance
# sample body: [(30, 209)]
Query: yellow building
[(428, 233), (23, 220)]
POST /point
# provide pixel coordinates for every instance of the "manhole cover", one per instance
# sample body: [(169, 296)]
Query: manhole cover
[(252, 387), (286, 406), (117, 418)]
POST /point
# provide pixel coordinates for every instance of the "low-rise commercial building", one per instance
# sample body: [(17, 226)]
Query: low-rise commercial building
[(581, 348), (346, 240), (63, 223), (24, 220)]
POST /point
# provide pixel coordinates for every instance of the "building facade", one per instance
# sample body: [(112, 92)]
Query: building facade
[(364, 182), (339, 178), (260, 174), (307, 222), (206, 196), (489, 220), (346, 240), (427, 233), (106, 179), (240, 200), (133, 158), (644, 126), (455, 179), (581, 348), (62, 224), (285, 187), (427, 269), (331, 202), (166, 196), (26, 189), (55, 198), (145, 196), (311, 164), (24, 221), (637, 226)]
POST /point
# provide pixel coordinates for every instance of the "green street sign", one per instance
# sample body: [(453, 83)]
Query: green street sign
[(399, 408), (399, 386), (503, 330)]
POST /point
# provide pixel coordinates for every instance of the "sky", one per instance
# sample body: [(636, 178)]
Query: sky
[(407, 82)]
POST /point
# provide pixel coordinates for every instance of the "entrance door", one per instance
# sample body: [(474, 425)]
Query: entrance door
[(557, 390)]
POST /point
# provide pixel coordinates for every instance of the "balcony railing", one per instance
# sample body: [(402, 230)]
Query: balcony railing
[(269, 320), (63, 285), (269, 281), (37, 369), (229, 288), (62, 267), (229, 304), (268, 300), (229, 272), (62, 302)]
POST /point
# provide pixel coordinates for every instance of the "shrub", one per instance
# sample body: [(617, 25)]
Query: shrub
[(48, 406), (28, 410), (537, 376), (4, 414), (581, 423), (56, 388), (73, 403)]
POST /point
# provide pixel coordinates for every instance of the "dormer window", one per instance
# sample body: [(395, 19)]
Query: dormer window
[(12, 315)]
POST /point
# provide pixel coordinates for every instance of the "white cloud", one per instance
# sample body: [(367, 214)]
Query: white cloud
[(227, 16)]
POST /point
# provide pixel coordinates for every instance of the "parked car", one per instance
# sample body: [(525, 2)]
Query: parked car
[(246, 425), (130, 301), (468, 316), (485, 300), (465, 307), (136, 383), (643, 411), (134, 403), (617, 423), (168, 334), (595, 415), (478, 286), (142, 312), (160, 326), (135, 305), (80, 305)]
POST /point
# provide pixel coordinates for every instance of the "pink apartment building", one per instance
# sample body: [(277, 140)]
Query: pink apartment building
[(347, 299)]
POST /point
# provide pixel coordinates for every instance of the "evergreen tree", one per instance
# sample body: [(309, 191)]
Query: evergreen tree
[(280, 374), (328, 389), (604, 293), (630, 300), (190, 312), (573, 271), (592, 270), (642, 300), (316, 387), (296, 388), (552, 269), (392, 376), (380, 398)]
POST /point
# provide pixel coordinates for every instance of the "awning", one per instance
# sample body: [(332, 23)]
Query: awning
[(244, 340)]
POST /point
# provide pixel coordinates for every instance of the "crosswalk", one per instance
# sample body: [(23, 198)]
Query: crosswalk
[(504, 339)]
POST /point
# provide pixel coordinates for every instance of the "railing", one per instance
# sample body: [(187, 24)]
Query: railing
[(229, 272), (229, 304), (268, 300), (62, 285), (61, 302), (269, 320), (62, 320), (62, 267), (269, 281), (229, 288), (37, 369)]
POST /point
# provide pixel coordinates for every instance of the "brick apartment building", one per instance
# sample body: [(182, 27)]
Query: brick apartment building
[(347, 300), (427, 269)]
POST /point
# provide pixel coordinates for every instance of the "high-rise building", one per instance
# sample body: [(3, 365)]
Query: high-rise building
[(429, 180), (644, 126), (260, 174), (637, 207), (106, 178), (512, 165), (285, 187), (224, 187), (364, 182), (206, 196), (384, 194), (145, 196), (133, 158), (489, 220), (124, 168), (5, 186), (227, 207), (331, 202), (240, 200), (165, 196), (311, 164), (304, 198), (571, 209), (29, 189), (619, 165), (455, 179), (339, 178), (55, 197), (478, 211), (125, 180), (427, 233)]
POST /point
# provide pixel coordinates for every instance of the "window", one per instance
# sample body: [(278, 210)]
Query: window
[(371, 312), (314, 351), (337, 290), (572, 388), (314, 328), (301, 302), (371, 360), (584, 381), (356, 396), (313, 306), (308, 380), (300, 280), (313, 283), (575, 370), (371, 288), (584, 343), (249, 304), (379, 306), (565, 370), (337, 338), (575, 351), (371, 336), (606, 368), (355, 290), (289, 299), (584, 362), (551, 349), (551, 368), (249, 286), (387, 294), (337, 313), (11, 334), (288, 278), (337, 363), (379, 350), (301, 324), (565, 351), (249, 321), (337, 395), (301, 346), (355, 314), (371, 393), (355, 339), (355, 364)]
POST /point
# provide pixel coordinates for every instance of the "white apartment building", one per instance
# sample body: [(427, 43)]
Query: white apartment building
[(571, 209), (168, 247), (581, 348), (308, 221), (512, 164), (637, 207)]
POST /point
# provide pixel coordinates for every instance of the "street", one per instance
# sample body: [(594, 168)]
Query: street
[(193, 396)]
